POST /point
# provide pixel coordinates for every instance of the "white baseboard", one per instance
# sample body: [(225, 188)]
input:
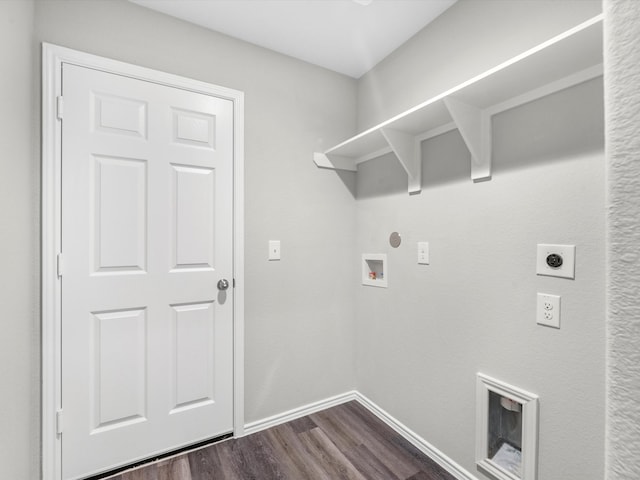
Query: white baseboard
[(299, 412), (417, 441)]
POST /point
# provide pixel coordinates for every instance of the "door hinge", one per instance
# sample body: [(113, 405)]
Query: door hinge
[(233, 283), (59, 423), (59, 264), (59, 107)]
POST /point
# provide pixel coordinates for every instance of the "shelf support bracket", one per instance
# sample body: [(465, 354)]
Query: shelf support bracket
[(334, 162), (407, 149), (474, 125)]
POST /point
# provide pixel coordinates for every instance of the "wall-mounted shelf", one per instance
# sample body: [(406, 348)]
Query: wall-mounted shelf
[(568, 59)]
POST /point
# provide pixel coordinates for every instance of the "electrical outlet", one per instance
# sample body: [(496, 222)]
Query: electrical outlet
[(556, 260), (548, 310), (423, 253)]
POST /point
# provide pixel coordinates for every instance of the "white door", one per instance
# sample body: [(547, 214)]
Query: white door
[(146, 236)]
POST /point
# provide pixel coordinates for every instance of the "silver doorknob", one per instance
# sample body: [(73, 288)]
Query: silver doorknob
[(223, 284)]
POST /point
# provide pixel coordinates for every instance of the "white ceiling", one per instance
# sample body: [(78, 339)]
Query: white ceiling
[(347, 36)]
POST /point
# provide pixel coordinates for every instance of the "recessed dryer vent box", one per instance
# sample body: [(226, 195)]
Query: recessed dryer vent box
[(374, 269), (506, 430)]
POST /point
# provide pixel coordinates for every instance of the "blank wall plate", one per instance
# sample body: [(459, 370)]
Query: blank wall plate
[(566, 252), (548, 310)]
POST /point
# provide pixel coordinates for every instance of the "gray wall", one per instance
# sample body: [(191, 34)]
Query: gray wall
[(622, 103), (421, 342), (468, 39), (299, 312), (19, 243), (290, 108)]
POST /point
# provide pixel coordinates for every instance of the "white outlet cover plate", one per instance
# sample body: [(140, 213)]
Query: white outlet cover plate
[(548, 310), (423, 253), (568, 254)]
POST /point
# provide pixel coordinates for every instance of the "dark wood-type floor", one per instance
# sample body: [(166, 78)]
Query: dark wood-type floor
[(343, 442)]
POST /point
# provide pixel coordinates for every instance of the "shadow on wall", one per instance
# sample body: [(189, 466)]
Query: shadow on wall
[(564, 125), (348, 178)]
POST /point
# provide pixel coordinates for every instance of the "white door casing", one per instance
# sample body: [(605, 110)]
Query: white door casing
[(139, 310)]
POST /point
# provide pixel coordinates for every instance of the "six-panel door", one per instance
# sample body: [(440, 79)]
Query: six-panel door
[(147, 174)]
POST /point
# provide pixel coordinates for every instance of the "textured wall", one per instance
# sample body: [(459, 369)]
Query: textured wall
[(421, 341), (19, 222), (622, 106)]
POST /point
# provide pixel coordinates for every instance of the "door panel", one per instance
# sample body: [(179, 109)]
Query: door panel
[(146, 235), (193, 333), (119, 214), (194, 128), (192, 197), (119, 370)]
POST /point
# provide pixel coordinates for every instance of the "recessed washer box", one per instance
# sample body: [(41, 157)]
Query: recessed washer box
[(556, 260), (374, 269)]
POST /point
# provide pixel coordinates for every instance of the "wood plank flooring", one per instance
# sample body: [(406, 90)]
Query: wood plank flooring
[(346, 442)]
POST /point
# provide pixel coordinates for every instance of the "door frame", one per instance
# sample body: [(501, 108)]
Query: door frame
[(53, 57)]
